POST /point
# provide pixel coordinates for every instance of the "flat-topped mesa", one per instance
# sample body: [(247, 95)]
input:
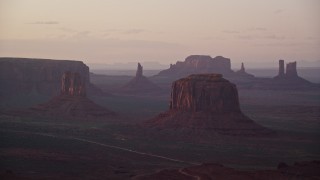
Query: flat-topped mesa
[(199, 64), (39, 77), (72, 84), (204, 92), (205, 104), (292, 70), (139, 72)]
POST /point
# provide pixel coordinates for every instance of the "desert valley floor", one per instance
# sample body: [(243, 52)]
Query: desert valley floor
[(120, 147)]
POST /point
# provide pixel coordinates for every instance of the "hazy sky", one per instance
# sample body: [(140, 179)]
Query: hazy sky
[(108, 31)]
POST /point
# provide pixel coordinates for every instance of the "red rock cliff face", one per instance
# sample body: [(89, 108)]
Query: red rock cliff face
[(206, 104), (72, 84), (71, 103), (209, 93)]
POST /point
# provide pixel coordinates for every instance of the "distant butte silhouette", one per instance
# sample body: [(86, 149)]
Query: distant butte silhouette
[(139, 84), (290, 76), (242, 72), (209, 103), (198, 64)]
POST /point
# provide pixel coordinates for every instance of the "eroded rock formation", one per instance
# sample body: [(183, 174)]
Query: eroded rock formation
[(289, 77), (281, 68), (139, 84), (139, 72), (199, 64), (242, 72), (289, 73), (206, 102), (72, 84), (292, 70), (208, 93), (71, 103)]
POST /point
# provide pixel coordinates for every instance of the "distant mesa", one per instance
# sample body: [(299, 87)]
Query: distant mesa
[(139, 84), (206, 102), (242, 72), (72, 101), (199, 64)]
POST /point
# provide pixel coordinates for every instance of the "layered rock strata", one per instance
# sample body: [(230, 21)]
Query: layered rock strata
[(72, 84), (72, 101), (206, 102)]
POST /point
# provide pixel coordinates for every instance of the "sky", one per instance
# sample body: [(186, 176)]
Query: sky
[(165, 31)]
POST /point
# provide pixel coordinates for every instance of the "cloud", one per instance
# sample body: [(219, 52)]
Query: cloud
[(278, 11), (247, 37), (134, 31), (125, 31), (90, 48), (266, 37), (282, 44), (230, 32), (67, 30), (44, 23), (311, 38), (81, 35), (275, 37), (210, 38), (258, 29)]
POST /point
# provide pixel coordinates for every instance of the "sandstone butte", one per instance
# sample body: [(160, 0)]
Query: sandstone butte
[(140, 83), (242, 72), (206, 102), (72, 101), (290, 76)]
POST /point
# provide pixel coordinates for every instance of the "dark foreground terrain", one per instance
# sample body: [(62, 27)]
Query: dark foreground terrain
[(120, 148)]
